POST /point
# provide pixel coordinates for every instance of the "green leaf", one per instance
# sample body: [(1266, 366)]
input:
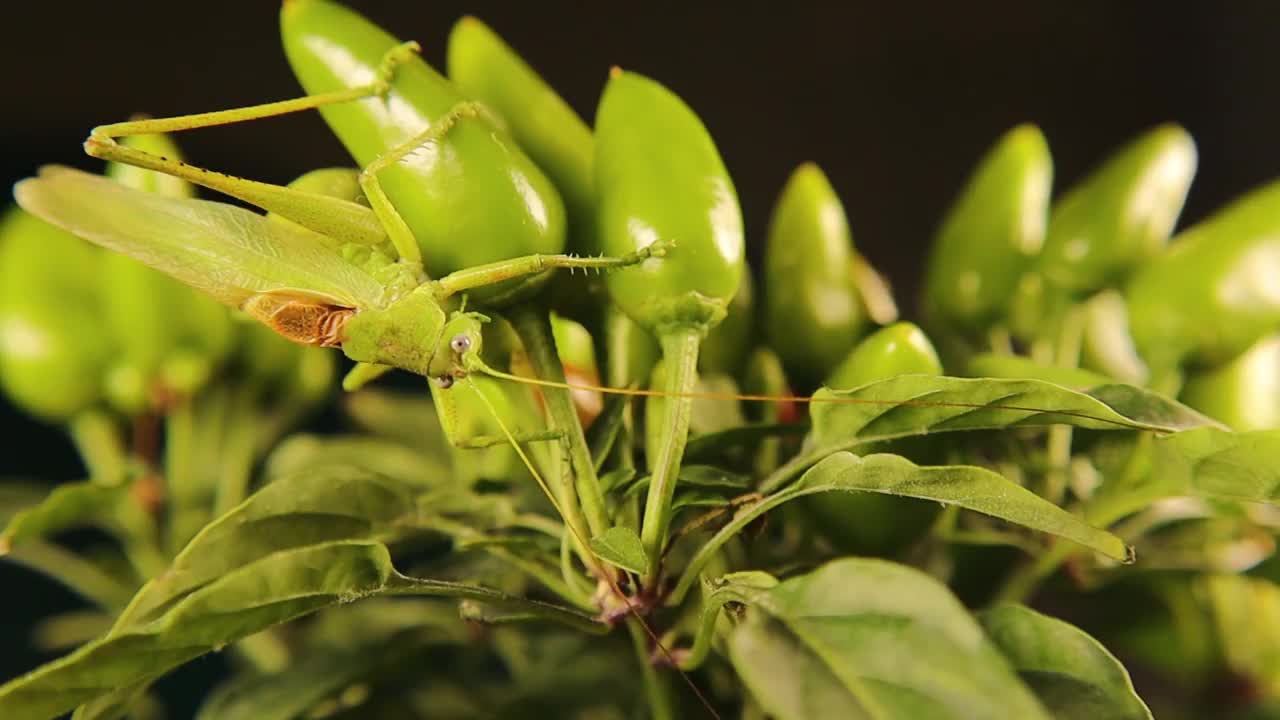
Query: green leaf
[(18, 494), (322, 505), (104, 586), (310, 680), (707, 477), (1072, 674), (68, 506), (66, 630), (604, 430), (704, 448), (966, 486), (1217, 463), (303, 453), (256, 596), (621, 546), (923, 404), (862, 638), (1246, 612), (271, 590), (1204, 461)]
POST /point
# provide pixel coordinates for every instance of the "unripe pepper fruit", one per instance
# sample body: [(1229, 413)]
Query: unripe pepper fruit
[(991, 234), (472, 198), (1121, 215), (658, 175), (1213, 293), (873, 523), (53, 349), (812, 312)]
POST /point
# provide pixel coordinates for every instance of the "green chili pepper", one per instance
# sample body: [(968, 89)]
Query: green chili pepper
[(1213, 293), (764, 375), (682, 194), (1107, 344), (1245, 392), (337, 182), (1121, 214), (871, 523), (991, 234), (812, 313), (1016, 366), (487, 69), (900, 349), (53, 348), (725, 348), (470, 197)]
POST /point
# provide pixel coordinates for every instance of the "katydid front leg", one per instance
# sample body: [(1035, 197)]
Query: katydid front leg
[(340, 219), (503, 270), (398, 230)]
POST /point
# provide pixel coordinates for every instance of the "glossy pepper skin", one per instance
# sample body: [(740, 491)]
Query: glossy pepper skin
[(484, 67), (54, 349), (872, 523), (1213, 293), (473, 198), (1245, 392), (900, 349), (682, 193), (991, 234), (812, 312), (1121, 215)]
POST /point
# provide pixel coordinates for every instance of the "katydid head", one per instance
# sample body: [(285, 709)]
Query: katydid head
[(461, 340)]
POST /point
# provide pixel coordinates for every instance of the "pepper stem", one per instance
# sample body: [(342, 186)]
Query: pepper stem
[(680, 356), (533, 324)]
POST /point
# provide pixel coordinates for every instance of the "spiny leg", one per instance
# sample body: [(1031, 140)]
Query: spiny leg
[(396, 227), (345, 220), (503, 270), (476, 442)]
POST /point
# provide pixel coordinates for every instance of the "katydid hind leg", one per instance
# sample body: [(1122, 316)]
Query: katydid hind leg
[(340, 219)]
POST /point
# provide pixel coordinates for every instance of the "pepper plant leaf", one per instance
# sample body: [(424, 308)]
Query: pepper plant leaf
[(312, 679), (337, 503), (923, 404), (864, 638), (1072, 674), (621, 546), (965, 486), (1208, 462), (68, 506)]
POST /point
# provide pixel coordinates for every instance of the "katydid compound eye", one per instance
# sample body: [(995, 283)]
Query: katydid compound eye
[(444, 382), (460, 343)]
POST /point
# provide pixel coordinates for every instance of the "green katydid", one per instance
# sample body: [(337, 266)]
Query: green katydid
[(289, 278)]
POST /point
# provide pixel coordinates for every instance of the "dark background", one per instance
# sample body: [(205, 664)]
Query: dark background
[(895, 100)]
